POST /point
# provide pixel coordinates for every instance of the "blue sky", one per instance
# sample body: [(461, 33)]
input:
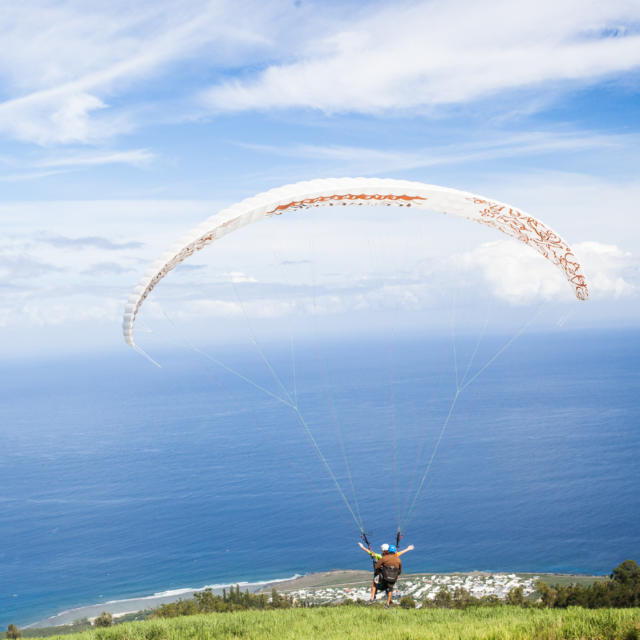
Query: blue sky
[(124, 125)]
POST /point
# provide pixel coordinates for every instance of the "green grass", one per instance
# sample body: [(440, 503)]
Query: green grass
[(362, 623)]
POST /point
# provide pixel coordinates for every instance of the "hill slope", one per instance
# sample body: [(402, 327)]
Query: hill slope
[(364, 623)]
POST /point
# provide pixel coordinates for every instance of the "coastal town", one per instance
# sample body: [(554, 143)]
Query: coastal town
[(421, 587)]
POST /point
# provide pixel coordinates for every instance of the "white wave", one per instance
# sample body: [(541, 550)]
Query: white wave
[(217, 586)]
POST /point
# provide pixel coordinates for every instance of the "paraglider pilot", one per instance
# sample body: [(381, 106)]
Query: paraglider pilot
[(387, 569)]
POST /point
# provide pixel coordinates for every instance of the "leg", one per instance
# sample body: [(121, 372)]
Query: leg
[(389, 594), (373, 590)]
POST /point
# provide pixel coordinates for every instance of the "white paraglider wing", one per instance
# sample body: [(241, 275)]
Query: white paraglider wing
[(361, 191)]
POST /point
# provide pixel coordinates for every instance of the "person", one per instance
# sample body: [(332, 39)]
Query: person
[(387, 569)]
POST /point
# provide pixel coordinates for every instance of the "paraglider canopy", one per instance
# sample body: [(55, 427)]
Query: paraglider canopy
[(361, 191)]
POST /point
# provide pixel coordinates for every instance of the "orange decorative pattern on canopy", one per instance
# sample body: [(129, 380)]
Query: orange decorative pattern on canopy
[(534, 233), (348, 198)]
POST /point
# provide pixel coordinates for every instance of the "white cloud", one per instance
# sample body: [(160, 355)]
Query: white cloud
[(63, 60), (421, 55), (61, 115), (517, 275), (611, 271), (276, 302), (17, 267), (238, 277), (107, 268), (72, 71)]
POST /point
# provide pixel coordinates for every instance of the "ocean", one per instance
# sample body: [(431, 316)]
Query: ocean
[(121, 480)]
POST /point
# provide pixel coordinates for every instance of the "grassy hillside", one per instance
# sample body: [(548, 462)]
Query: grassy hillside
[(364, 623)]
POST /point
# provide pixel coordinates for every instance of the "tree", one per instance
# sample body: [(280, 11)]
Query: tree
[(207, 601), (178, 608), (627, 573), (13, 632), (548, 594), (105, 619), (491, 600), (443, 599), (462, 598), (516, 597), (599, 594), (625, 584)]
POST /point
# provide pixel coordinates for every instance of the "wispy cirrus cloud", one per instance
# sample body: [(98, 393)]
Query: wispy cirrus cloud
[(79, 81), (56, 165), (26, 176), (134, 157), (428, 54), (370, 160), (58, 85)]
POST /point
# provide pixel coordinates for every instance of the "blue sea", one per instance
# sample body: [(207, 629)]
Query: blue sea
[(120, 479)]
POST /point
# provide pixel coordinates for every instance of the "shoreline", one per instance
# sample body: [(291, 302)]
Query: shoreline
[(332, 578), (124, 606)]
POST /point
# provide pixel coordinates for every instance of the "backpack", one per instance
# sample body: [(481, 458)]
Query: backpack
[(389, 573)]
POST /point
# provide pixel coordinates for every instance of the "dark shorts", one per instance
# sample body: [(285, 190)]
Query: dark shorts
[(381, 585)]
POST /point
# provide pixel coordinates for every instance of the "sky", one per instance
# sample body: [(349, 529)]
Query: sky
[(123, 125)]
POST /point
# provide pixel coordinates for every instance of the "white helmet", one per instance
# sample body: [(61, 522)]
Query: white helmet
[(384, 547)]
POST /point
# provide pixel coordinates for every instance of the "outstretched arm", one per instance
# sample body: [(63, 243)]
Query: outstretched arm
[(365, 549), (409, 548), (373, 554)]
